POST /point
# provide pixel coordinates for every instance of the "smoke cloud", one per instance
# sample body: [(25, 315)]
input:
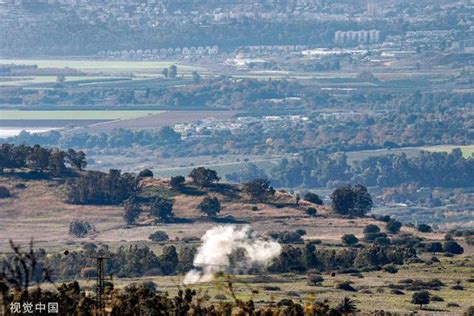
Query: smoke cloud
[(220, 243)]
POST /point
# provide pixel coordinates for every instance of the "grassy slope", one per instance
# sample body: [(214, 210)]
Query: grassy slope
[(39, 212)]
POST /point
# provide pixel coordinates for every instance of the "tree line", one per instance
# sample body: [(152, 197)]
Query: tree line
[(432, 169), (40, 159), (384, 120)]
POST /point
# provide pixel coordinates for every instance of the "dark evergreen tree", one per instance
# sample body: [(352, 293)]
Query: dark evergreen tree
[(210, 206)]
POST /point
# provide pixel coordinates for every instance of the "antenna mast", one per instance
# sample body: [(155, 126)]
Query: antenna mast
[(99, 290)]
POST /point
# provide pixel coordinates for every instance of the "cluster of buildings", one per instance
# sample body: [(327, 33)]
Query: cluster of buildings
[(189, 129), (357, 37), (199, 51), (348, 26)]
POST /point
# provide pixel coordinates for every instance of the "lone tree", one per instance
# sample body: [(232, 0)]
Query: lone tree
[(453, 247), (351, 200), (210, 206), (177, 182), (393, 226), (259, 189), (371, 229), (311, 211), (372, 232), (421, 298), (349, 239), (313, 198), (159, 236), (145, 173), (162, 209), (204, 177), (172, 71), (80, 228), (132, 211), (424, 228)]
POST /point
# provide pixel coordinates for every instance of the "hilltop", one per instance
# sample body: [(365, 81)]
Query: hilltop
[(151, 228), (38, 209)]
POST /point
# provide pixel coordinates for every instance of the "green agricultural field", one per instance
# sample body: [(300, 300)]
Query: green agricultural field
[(107, 66), (467, 150), (73, 115), (41, 81)]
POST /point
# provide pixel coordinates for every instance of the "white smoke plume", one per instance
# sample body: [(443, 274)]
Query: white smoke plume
[(220, 242)]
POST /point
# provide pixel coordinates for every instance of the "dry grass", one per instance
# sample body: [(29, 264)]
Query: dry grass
[(39, 212), (375, 294)]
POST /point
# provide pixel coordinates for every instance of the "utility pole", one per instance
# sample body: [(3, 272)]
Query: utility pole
[(99, 290)]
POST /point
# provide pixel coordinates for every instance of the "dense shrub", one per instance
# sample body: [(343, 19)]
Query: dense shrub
[(382, 240), (162, 209), (391, 269), (351, 200), (424, 228), (80, 228), (131, 212), (407, 240), (453, 247), (311, 211), (434, 247), (177, 182), (372, 232), (159, 236), (436, 298), (315, 279), (210, 206), (345, 286), (301, 232), (287, 237), (349, 239), (397, 292), (204, 177), (145, 173), (259, 190), (421, 298), (313, 198), (96, 187), (393, 226), (371, 228)]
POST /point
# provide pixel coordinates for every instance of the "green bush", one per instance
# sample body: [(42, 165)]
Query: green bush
[(349, 239), (424, 228), (159, 236), (313, 198)]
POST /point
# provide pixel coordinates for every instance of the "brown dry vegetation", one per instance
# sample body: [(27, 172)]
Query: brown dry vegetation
[(39, 212)]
